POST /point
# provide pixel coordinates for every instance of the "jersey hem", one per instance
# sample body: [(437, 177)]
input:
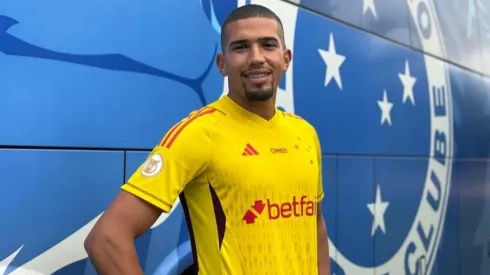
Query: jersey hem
[(144, 195)]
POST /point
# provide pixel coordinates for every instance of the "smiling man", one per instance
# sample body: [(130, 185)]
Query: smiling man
[(248, 175)]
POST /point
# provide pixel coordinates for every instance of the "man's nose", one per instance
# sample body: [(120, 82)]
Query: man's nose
[(257, 55)]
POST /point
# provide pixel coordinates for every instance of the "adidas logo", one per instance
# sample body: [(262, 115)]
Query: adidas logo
[(249, 151)]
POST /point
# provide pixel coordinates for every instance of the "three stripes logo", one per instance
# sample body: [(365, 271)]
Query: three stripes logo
[(249, 151)]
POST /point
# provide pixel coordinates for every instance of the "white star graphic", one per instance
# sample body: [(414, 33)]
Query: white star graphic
[(333, 62), (408, 81), (369, 5), (378, 209), (385, 107)]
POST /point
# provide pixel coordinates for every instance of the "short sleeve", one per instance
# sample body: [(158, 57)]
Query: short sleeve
[(182, 155), (320, 193)]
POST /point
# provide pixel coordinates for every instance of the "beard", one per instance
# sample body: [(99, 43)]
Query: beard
[(259, 94)]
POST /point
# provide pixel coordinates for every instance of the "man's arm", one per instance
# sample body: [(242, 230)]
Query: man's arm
[(110, 244), (180, 157), (323, 253)]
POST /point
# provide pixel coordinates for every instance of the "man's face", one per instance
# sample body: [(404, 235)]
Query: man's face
[(254, 57)]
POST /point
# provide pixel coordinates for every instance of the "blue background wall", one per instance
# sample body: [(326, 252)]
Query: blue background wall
[(88, 88)]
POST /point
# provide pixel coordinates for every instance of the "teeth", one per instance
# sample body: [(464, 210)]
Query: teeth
[(256, 75)]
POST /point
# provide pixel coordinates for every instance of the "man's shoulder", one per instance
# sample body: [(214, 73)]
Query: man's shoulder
[(300, 123), (205, 118), (198, 124)]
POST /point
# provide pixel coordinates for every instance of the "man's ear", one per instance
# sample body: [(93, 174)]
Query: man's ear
[(287, 59), (220, 62)]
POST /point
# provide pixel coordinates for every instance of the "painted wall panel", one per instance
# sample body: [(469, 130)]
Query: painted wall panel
[(354, 110), (482, 10), (387, 18), (330, 203), (355, 192), (472, 178), (121, 79), (48, 195), (101, 87), (348, 11), (471, 107), (400, 186), (458, 23), (448, 252)]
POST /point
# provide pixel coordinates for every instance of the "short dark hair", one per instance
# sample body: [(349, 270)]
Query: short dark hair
[(250, 11)]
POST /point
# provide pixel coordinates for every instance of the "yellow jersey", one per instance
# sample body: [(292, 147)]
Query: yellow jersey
[(249, 188)]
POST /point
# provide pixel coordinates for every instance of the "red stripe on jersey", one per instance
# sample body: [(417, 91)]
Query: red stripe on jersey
[(172, 130), (169, 134), (248, 151), (252, 149), (202, 112)]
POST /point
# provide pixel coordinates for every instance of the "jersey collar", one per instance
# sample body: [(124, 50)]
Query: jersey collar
[(236, 109)]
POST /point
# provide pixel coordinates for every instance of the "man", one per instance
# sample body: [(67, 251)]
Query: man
[(248, 175)]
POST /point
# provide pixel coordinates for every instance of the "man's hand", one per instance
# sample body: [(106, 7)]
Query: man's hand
[(323, 253)]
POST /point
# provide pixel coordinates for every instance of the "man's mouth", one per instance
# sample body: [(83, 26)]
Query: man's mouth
[(258, 76)]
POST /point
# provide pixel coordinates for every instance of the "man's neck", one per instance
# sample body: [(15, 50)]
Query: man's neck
[(265, 109)]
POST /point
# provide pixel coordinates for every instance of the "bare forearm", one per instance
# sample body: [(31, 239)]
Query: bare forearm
[(323, 253), (111, 255)]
